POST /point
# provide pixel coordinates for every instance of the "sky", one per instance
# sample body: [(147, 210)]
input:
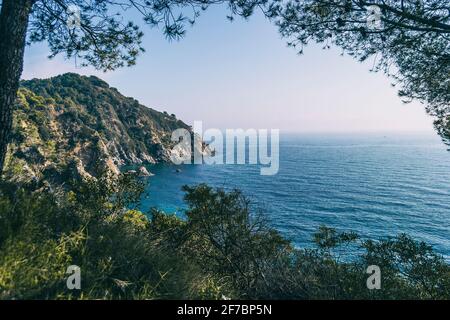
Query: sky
[(241, 74)]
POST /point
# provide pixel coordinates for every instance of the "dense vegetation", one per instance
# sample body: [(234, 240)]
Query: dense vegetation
[(220, 250)]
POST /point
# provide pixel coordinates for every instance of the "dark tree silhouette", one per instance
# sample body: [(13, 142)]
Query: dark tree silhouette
[(93, 31), (407, 39)]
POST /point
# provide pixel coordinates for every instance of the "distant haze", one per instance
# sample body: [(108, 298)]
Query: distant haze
[(242, 75)]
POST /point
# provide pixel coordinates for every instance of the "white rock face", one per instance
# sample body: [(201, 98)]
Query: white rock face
[(185, 151), (143, 172)]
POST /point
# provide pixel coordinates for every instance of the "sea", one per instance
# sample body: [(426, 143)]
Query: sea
[(376, 184)]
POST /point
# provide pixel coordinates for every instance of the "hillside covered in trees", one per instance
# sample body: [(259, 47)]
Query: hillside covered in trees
[(72, 126)]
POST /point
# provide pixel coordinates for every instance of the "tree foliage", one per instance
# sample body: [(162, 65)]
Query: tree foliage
[(97, 32), (408, 40)]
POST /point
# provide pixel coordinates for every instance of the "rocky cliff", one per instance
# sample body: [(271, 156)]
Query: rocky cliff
[(72, 126)]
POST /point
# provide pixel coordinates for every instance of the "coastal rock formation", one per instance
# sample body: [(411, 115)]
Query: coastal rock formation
[(73, 126)]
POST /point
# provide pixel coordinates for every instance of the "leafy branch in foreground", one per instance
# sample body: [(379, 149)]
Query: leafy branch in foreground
[(100, 34), (410, 42)]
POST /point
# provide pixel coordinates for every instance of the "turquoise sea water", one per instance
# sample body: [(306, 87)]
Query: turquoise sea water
[(375, 184)]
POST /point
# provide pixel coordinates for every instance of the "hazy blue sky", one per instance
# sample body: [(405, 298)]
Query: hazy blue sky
[(242, 75)]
